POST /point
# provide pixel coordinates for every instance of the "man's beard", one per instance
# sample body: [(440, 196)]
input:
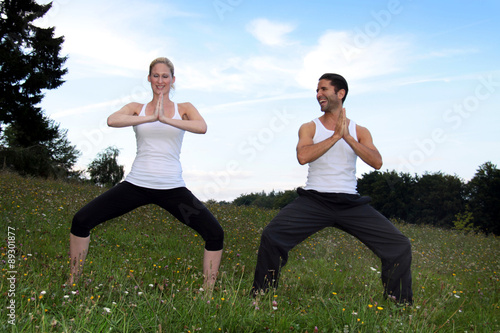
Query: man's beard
[(331, 105)]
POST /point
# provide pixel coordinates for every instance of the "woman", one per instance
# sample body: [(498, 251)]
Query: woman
[(156, 174)]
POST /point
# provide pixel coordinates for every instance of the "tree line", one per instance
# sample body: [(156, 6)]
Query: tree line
[(432, 198)]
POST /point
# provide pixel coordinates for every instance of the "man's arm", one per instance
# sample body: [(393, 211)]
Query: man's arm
[(307, 150), (364, 147)]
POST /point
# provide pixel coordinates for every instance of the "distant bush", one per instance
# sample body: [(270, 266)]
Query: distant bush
[(465, 222), (271, 200)]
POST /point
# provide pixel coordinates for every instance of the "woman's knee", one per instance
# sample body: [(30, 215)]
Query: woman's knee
[(214, 241), (79, 226)]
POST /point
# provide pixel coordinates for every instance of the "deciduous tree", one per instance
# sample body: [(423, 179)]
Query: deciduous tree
[(104, 170)]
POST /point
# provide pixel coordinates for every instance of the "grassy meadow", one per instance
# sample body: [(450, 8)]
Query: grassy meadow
[(143, 274)]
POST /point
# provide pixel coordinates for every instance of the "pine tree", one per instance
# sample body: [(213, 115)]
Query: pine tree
[(30, 63)]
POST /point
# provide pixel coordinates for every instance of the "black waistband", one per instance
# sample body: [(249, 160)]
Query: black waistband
[(340, 200)]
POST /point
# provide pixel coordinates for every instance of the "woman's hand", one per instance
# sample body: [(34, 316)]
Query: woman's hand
[(158, 114)]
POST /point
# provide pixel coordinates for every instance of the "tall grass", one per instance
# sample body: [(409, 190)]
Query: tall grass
[(143, 274)]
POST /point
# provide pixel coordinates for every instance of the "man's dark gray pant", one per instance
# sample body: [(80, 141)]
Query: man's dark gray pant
[(311, 212)]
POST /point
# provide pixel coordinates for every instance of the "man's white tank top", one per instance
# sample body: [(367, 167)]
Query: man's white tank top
[(157, 162), (334, 171)]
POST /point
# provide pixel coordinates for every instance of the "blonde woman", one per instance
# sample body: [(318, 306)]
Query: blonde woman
[(156, 174)]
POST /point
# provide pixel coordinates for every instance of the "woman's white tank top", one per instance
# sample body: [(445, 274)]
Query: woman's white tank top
[(334, 171), (157, 162)]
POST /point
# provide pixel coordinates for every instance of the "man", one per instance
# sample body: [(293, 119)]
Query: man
[(331, 144)]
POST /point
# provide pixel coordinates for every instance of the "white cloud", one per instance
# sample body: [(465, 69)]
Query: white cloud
[(111, 38), (232, 106), (103, 51), (274, 75), (270, 33), (99, 107), (263, 75), (341, 52)]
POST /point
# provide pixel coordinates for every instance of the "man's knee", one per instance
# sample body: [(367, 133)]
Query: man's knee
[(406, 246), (268, 240), (266, 236), (402, 253), (406, 249)]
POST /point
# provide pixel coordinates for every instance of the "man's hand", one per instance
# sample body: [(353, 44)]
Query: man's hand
[(341, 126), (363, 146), (345, 133)]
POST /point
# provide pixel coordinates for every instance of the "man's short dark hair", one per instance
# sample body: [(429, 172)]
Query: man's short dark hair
[(337, 81)]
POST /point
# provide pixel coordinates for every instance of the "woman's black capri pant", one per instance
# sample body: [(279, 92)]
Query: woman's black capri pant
[(125, 197)]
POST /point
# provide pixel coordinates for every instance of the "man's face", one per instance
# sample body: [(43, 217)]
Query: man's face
[(328, 99)]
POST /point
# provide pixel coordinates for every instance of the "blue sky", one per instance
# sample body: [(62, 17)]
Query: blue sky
[(424, 78)]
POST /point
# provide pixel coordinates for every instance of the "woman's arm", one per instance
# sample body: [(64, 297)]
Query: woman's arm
[(128, 116), (191, 120)]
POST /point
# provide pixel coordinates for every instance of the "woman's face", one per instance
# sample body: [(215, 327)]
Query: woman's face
[(161, 79)]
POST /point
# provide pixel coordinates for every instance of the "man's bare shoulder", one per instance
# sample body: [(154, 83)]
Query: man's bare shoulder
[(362, 131), (307, 127)]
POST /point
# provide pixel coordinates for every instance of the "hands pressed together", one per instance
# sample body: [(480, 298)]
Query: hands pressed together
[(191, 120), (158, 114), (363, 146), (341, 127)]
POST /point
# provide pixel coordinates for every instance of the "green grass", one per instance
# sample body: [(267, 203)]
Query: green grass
[(143, 274)]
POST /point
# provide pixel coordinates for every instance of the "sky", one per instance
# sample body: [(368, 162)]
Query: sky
[(424, 78)]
